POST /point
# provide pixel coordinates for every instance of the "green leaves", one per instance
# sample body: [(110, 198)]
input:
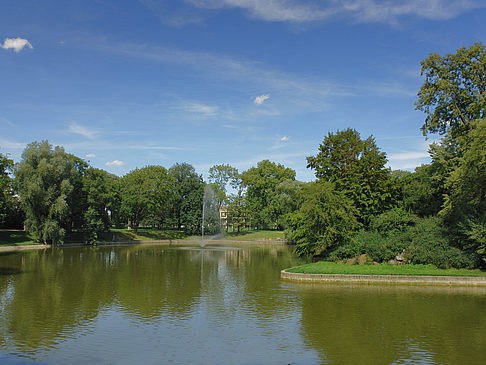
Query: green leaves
[(357, 168), (454, 92)]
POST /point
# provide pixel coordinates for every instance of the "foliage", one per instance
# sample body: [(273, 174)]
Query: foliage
[(325, 219), (393, 222), (6, 166), (465, 204), (100, 190), (145, 191), (261, 183), (221, 176), (186, 198), (46, 178), (453, 94), (422, 192), (356, 167), (428, 243)]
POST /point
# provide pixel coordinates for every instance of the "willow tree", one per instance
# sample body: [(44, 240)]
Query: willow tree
[(47, 182)]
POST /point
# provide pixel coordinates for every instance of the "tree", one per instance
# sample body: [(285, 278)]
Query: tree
[(453, 95), (465, 201), (6, 166), (186, 197), (45, 178), (221, 176), (325, 220), (261, 183), (145, 191), (356, 167), (101, 197)]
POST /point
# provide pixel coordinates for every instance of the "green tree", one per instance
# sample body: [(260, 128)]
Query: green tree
[(145, 192), (45, 179), (6, 166), (186, 197), (422, 192), (222, 176), (101, 197), (261, 183), (465, 203), (325, 220), (356, 167), (453, 95)]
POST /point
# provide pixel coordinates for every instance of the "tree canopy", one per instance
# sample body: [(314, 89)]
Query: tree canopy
[(357, 167), (453, 95)]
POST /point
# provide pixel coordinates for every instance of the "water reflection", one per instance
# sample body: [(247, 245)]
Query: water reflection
[(217, 305), (395, 325)]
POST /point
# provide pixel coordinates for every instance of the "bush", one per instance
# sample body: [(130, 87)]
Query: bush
[(393, 222), (429, 244)]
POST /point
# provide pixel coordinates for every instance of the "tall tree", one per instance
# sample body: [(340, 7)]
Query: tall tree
[(261, 183), (453, 95), (356, 167), (6, 166), (144, 191), (101, 197), (222, 176), (186, 197), (46, 178)]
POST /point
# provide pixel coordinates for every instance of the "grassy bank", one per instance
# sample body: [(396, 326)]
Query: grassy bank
[(18, 238), (324, 267), (15, 238), (254, 235)]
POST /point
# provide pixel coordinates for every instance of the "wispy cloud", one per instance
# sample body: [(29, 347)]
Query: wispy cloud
[(115, 163), (152, 147), (82, 130), (284, 138), (201, 109), (304, 11), (90, 155), (12, 145), (260, 99), (17, 44)]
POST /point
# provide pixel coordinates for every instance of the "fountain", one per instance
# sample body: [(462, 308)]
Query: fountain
[(211, 227)]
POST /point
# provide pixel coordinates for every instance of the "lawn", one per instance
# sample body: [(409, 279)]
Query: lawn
[(255, 235), (324, 267), (15, 238)]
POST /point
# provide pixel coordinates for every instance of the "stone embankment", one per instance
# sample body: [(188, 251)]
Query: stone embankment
[(386, 279)]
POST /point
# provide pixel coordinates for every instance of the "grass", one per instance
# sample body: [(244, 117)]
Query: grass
[(15, 238), (325, 267), (254, 235)]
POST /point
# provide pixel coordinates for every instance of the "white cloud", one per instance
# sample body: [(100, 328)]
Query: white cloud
[(115, 163), (17, 44), (203, 109), (284, 138), (81, 130), (383, 11), (90, 155), (260, 99)]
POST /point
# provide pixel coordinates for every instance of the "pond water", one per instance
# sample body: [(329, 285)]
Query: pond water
[(221, 305)]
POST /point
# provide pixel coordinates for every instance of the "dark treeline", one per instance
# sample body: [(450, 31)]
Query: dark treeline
[(434, 215)]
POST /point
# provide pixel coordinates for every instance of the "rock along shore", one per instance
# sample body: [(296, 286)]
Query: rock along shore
[(386, 279)]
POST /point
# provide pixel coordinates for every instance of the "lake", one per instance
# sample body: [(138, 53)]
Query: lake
[(221, 305)]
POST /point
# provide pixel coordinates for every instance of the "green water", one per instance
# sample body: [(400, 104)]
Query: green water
[(221, 305)]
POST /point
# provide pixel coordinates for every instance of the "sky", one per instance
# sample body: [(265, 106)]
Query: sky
[(129, 83)]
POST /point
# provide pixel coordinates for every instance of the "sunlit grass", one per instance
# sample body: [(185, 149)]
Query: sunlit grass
[(324, 267)]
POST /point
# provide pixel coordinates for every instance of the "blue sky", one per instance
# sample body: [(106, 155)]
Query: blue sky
[(126, 84)]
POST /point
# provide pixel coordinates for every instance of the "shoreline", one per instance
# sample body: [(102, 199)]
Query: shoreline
[(182, 242), (385, 279)]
